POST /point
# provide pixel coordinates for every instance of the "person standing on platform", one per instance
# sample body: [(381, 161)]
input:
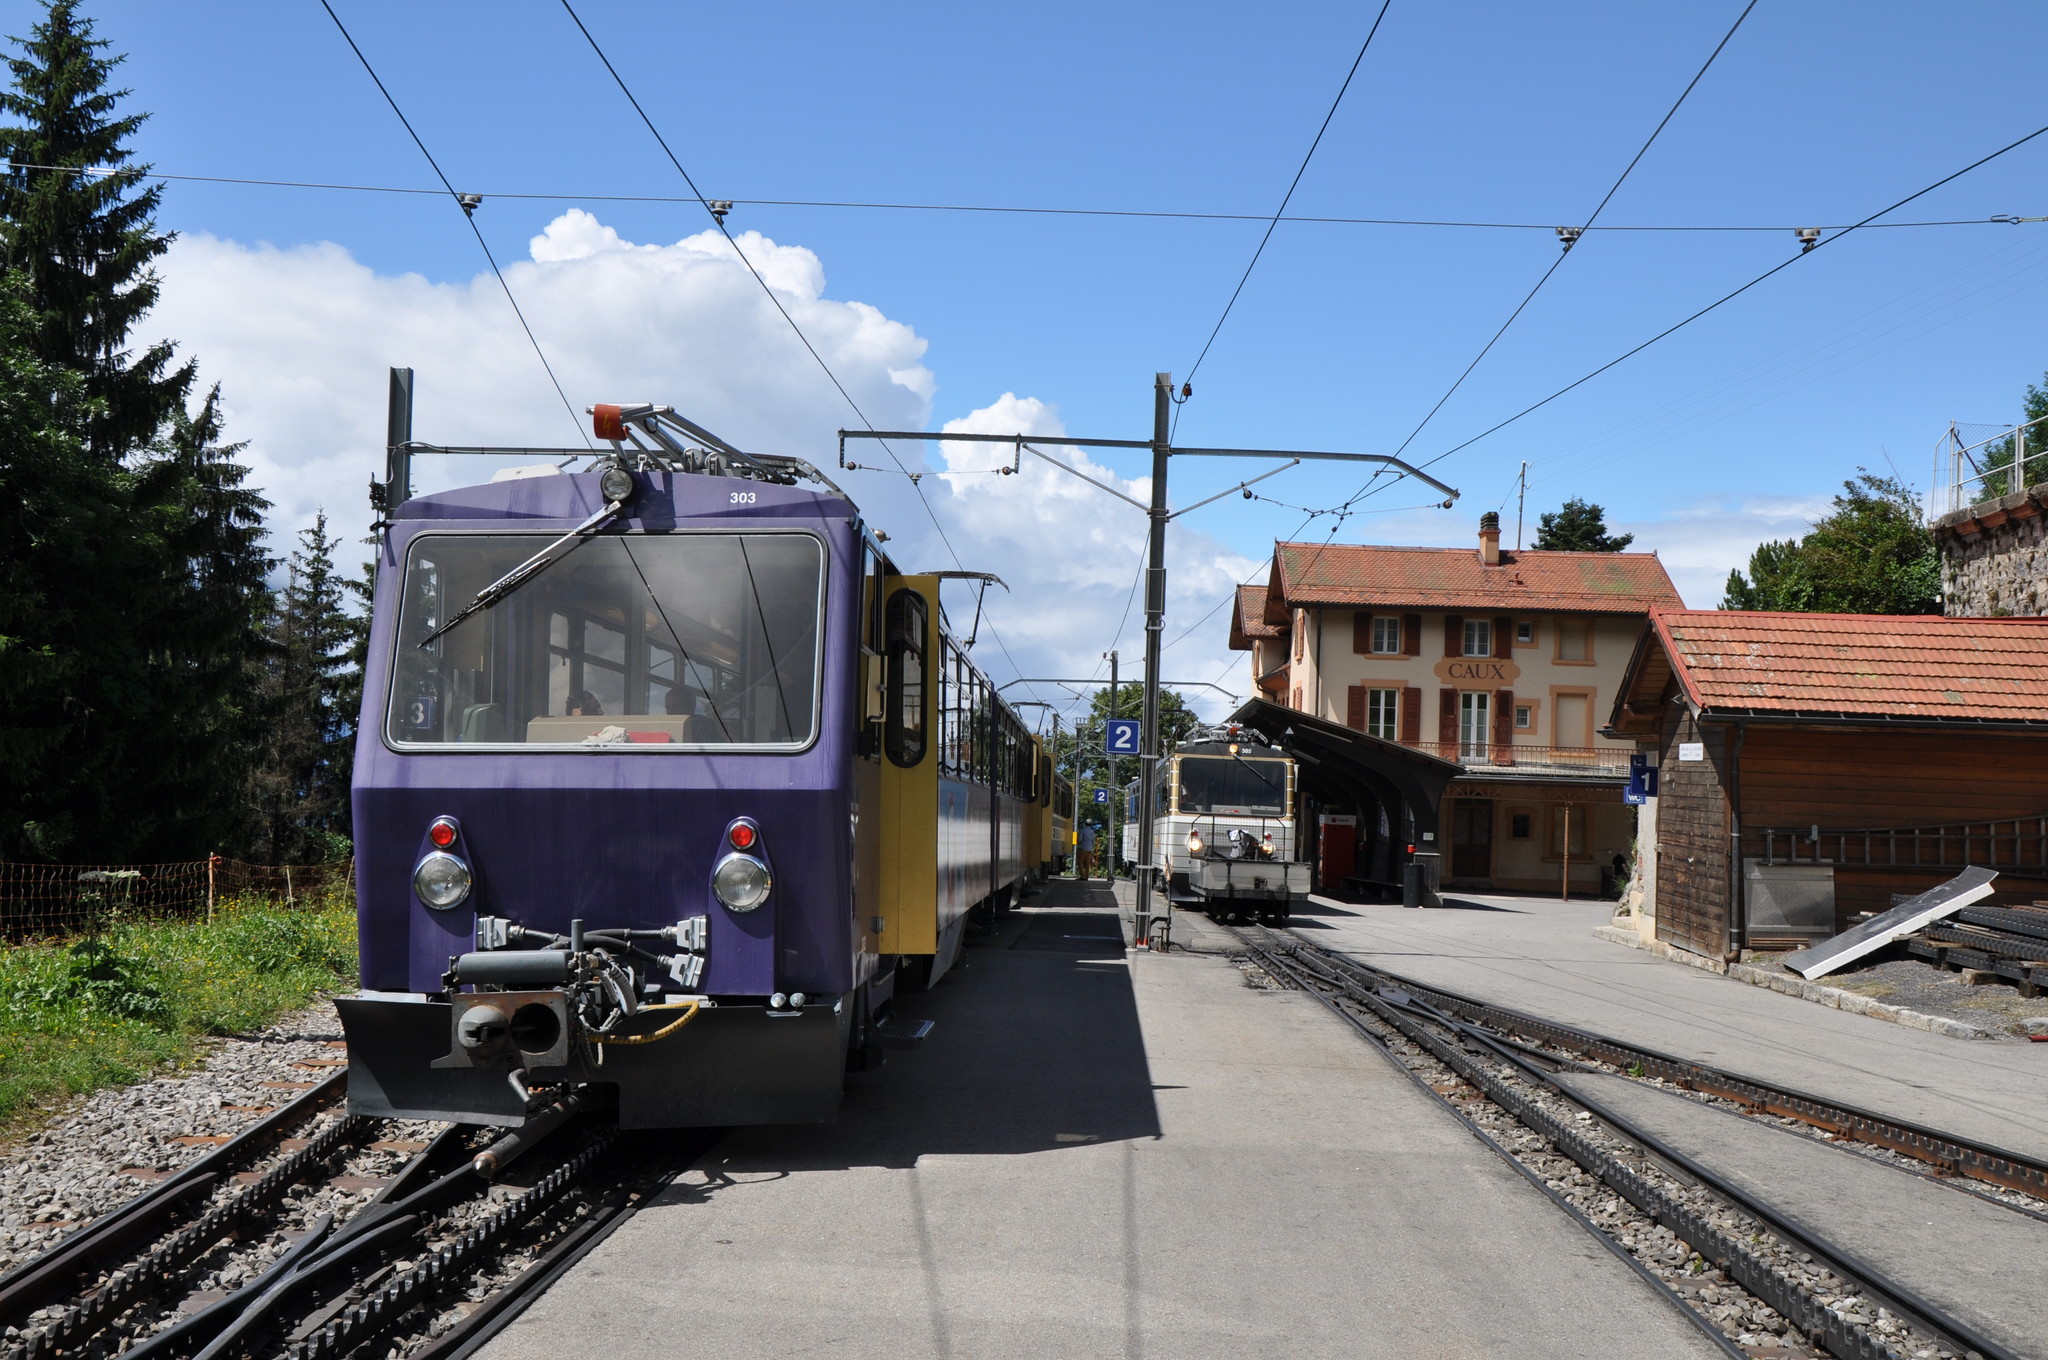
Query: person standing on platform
[(1086, 859)]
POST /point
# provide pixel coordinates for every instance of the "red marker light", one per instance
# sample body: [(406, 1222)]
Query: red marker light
[(742, 835), (442, 833)]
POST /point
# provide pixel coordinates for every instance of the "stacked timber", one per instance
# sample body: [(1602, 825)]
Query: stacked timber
[(2011, 942)]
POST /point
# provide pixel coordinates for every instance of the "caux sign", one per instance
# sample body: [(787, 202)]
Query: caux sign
[(1477, 670)]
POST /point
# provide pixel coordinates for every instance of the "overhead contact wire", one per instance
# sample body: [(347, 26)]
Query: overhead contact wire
[(468, 215), (809, 348), (1564, 254), (1020, 209), (1289, 196), (1730, 297)]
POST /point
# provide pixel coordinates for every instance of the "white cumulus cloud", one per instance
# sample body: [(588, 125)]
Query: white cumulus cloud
[(300, 339)]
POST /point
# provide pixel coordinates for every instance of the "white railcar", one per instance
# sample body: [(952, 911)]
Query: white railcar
[(1225, 835)]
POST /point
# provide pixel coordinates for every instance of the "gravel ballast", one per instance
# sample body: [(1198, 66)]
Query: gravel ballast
[(104, 1149)]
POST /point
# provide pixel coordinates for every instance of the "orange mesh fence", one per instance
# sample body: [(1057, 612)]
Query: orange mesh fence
[(40, 901)]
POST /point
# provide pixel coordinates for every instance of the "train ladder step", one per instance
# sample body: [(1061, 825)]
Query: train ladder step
[(897, 1032)]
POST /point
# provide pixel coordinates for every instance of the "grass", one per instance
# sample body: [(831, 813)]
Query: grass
[(146, 995)]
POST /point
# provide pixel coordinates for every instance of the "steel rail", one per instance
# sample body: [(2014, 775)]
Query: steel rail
[(44, 1280), (1951, 1152), (1729, 1253), (149, 1275)]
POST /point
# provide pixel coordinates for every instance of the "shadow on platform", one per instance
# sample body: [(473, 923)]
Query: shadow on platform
[(1035, 1047)]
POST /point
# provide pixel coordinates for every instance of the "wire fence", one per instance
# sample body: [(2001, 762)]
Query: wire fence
[(60, 901)]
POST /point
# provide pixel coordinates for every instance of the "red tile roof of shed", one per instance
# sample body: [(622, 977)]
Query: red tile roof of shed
[(1454, 578), (1915, 667), (1249, 620)]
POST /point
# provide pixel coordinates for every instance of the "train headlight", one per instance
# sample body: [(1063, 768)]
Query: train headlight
[(442, 881), (1194, 842), (741, 882), (616, 484)]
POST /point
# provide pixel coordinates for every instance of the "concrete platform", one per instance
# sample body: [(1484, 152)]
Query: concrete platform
[(1540, 955), (1967, 1256), (1106, 1154)]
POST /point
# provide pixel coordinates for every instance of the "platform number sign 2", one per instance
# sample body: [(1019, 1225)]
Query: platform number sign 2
[(1120, 736), (1102, 795)]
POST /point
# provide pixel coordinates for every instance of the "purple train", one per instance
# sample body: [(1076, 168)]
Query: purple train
[(666, 781)]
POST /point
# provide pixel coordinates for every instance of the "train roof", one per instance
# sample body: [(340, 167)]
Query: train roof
[(662, 496), (1246, 750)]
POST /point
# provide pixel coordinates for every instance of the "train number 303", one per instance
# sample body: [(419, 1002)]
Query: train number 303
[(743, 497)]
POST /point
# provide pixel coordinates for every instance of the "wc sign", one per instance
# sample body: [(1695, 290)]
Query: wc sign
[(1642, 780)]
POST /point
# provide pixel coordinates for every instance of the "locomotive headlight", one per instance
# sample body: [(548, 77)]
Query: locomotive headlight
[(741, 882), (1194, 842), (616, 484), (441, 880)]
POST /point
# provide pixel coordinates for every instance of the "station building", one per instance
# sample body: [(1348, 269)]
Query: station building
[(1505, 662), (1817, 766)]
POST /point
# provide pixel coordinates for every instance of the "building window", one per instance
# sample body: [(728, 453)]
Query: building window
[(1525, 717), (1381, 712), (1386, 637), (1521, 826), (1478, 637), (1575, 641), (1300, 634), (1475, 734), (1525, 631)]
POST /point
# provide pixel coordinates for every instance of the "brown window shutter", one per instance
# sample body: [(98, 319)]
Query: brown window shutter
[(1503, 726), (1297, 696), (1361, 632), (1454, 635), (1447, 722), (1503, 637), (1354, 708), (1411, 635), (1411, 716)]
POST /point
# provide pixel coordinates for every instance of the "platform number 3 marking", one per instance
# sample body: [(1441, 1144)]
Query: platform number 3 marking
[(1120, 736)]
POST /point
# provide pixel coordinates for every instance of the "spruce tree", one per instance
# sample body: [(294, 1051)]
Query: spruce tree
[(85, 244), (301, 787), (54, 504), (205, 637)]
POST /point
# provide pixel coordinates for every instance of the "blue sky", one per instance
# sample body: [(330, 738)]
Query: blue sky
[(1816, 114)]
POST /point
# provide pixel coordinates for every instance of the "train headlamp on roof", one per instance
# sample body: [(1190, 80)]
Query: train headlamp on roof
[(616, 485)]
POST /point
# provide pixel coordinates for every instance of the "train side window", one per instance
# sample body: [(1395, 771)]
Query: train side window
[(904, 728)]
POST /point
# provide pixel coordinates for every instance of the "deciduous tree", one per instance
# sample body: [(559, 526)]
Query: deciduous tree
[(1871, 554)]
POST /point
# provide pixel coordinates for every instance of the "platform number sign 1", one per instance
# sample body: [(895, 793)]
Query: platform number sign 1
[(1120, 736)]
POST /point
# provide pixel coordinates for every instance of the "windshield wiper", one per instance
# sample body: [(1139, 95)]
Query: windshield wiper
[(526, 571)]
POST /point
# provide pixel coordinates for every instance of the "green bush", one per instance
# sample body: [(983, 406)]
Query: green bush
[(115, 1008)]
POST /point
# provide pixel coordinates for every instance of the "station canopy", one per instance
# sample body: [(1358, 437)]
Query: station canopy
[(1343, 767)]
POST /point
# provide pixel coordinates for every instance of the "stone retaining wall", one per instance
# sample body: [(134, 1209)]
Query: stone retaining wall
[(1994, 556)]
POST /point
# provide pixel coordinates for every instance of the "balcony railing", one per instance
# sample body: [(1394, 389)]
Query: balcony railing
[(1580, 761)]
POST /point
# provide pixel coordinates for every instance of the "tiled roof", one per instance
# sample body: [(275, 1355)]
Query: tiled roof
[(1913, 667), (1248, 622), (1453, 578)]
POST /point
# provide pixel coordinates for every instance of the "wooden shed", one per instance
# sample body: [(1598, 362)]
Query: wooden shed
[(1814, 766)]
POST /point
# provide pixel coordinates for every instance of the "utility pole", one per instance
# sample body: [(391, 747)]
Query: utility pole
[(1144, 924), (1149, 929), (1521, 493), (1115, 787)]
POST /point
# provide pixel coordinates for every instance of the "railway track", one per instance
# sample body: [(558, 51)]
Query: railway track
[(1757, 1282), (318, 1235)]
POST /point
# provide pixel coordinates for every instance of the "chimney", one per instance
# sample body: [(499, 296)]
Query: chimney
[(1489, 539)]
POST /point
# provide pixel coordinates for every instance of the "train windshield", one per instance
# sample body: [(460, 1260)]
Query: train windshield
[(640, 642), (1233, 785)]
